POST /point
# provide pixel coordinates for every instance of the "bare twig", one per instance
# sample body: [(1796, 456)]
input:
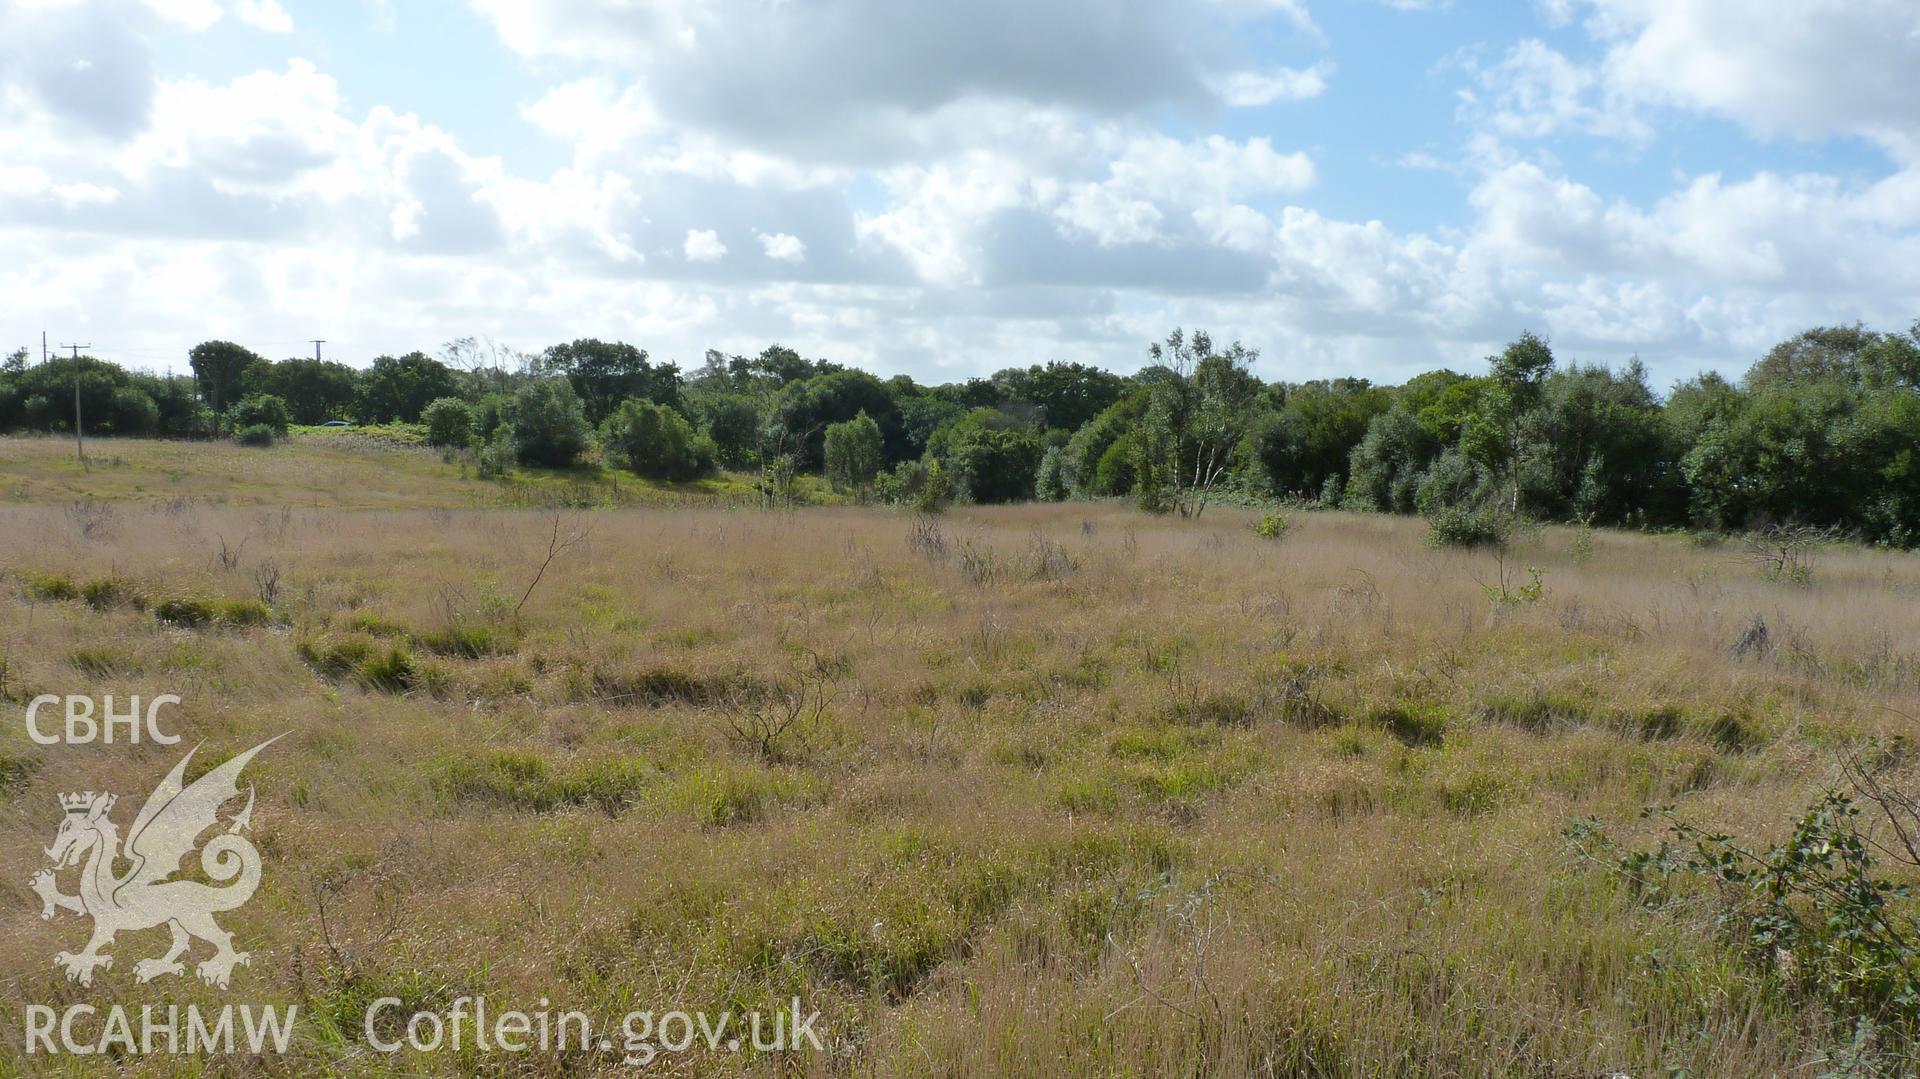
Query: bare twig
[(555, 545)]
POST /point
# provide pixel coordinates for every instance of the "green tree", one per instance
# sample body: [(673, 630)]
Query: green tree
[(1385, 469), (1311, 438), (1067, 394), (398, 389), (1050, 480), (922, 412), (1202, 403), (605, 373), (260, 410), (547, 425), (1598, 450), (113, 401), (802, 411), (449, 422), (653, 440), (733, 423), (1821, 354), (853, 453), (179, 412), (315, 390), (1086, 461), (1493, 437), (991, 463), (221, 367)]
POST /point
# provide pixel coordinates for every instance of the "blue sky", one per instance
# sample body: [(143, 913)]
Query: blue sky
[(1354, 187)]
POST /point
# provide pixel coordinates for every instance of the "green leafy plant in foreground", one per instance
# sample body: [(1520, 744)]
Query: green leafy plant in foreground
[(1820, 912)]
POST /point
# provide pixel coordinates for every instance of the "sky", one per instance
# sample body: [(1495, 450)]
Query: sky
[(1365, 188)]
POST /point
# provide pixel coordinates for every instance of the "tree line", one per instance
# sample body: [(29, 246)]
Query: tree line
[(1823, 430)]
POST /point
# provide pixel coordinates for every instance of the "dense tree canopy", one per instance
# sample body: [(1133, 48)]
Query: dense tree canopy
[(604, 374), (221, 368), (398, 389), (1823, 429), (546, 423), (315, 390), (653, 440), (853, 453)]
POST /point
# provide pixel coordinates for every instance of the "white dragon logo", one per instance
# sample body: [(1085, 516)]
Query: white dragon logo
[(143, 896)]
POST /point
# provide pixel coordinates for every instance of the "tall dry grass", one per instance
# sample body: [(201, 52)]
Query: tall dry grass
[(1095, 793)]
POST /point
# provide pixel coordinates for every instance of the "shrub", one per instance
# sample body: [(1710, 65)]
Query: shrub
[(256, 434), (1457, 526), (853, 453), (449, 422), (902, 485), (1050, 481), (549, 424), (655, 441), (1580, 547), (994, 464), (1820, 910), (935, 491), (495, 459), (1272, 525), (1113, 471), (260, 410)]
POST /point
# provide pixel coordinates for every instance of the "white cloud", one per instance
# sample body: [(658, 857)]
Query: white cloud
[(1536, 91), (1779, 67), (192, 14), (265, 15), (935, 212), (1156, 176), (1007, 186), (594, 114), (809, 81), (782, 247), (262, 129), (77, 69), (703, 245), (1250, 89)]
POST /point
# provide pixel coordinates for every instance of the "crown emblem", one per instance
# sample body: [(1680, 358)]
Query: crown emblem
[(81, 802)]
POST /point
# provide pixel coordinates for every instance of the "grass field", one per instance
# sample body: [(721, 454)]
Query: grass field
[(1070, 790), (354, 469)]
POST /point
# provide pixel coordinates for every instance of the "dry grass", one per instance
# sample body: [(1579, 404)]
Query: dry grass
[(333, 470), (1094, 793)]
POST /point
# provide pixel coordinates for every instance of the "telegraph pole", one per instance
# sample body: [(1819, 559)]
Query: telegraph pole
[(317, 342), (79, 438)]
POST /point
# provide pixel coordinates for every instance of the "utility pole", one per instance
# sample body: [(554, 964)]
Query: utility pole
[(79, 438), (317, 342), (43, 347)]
